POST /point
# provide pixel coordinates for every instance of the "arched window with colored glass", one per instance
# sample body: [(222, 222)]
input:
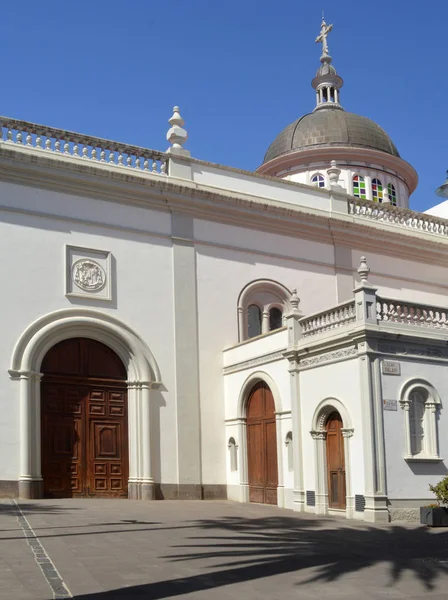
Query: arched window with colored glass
[(392, 194), (377, 190), (359, 187), (318, 180)]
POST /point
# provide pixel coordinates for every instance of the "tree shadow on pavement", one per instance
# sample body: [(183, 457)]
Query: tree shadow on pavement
[(231, 550)]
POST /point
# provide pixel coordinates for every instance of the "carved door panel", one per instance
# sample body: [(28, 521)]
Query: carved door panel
[(108, 443), (63, 452), (335, 462), (84, 421), (262, 446)]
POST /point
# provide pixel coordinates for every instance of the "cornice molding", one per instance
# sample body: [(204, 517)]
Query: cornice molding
[(228, 207), (254, 362)]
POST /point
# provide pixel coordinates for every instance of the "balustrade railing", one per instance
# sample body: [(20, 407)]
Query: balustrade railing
[(83, 147), (403, 217), (339, 316), (408, 313)]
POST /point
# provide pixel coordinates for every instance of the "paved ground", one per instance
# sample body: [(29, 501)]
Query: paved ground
[(121, 549)]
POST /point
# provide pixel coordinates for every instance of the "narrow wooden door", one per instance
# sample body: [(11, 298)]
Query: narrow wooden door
[(84, 421), (262, 446), (335, 462)]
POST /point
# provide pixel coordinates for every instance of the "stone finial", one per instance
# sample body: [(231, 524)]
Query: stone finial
[(294, 300), (443, 189), (363, 270), (333, 174), (177, 135)]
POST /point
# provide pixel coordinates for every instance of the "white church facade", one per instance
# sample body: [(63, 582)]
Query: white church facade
[(173, 328)]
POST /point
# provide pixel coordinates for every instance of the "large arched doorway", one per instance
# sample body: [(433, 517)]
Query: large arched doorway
[(84, 421), (335, 462), (262, 445)]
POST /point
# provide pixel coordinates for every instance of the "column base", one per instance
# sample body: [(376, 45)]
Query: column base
[(376, 510), (141, 490), (298, 499), (31, 489)]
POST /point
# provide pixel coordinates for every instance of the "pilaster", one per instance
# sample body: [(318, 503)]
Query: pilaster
[(294, 335), (186, 356)]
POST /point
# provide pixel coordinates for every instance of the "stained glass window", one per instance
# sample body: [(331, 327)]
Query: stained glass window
[(392, 193), (359, 187), (318, 180), (377, 190)]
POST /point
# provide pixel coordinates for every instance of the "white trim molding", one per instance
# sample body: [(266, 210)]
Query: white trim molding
[(420, 402), (143, 376)]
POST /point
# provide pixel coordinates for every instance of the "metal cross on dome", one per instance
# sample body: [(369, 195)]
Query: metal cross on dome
[(322, 37)]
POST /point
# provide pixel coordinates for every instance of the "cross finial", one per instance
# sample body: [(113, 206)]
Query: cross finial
[(322, 37)]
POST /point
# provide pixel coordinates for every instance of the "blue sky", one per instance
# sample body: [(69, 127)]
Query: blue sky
[(240, 71)]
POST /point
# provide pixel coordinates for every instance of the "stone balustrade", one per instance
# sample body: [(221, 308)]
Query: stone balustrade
[(394, 215), (408, 313), (339, 316), (83, 147)]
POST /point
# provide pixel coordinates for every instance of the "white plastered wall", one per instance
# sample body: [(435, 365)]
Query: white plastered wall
[(410, 480), (340, 381), (227, 259), (237, 387), (35, 226)]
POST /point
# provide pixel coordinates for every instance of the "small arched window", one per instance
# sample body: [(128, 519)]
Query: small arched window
[(288, 444), (253, 321), (275, 318), (260, 308), (359, 187), (416, 421), (377, 190), (233, 450), (318, 180), (392, 194), (421, 405)]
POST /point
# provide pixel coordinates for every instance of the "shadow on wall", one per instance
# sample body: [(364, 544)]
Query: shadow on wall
[(427, 468), (232, 550), (157, 403)]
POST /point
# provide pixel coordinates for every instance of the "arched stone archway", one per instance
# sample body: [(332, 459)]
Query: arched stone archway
[(332, 418), (241, 421), (142, 375)]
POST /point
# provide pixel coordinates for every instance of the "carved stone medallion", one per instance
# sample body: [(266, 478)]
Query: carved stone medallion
[(88, 275)]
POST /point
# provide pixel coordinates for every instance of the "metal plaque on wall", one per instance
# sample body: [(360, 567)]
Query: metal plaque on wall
[(390, 367), (390, 404)]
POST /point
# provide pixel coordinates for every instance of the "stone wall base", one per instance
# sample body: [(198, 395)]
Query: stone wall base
[(184, 491), (411, 515), (9, 489), (136, 491)]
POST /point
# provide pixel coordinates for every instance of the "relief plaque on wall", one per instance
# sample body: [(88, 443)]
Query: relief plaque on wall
[(87, 273)]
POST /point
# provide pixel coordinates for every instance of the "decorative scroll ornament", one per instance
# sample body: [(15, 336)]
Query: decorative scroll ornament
[(88, 275)]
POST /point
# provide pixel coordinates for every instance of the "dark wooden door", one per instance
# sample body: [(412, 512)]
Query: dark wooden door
[(335, 462), (84, 421), (262, 446)]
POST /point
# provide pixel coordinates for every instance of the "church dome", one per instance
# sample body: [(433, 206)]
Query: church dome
[(330, 127)]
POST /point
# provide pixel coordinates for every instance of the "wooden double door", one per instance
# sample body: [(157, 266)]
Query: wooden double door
[(84, 421), (262, 445), (335, 462)]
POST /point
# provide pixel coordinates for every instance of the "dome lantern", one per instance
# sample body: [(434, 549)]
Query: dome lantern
[(327, 82)]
